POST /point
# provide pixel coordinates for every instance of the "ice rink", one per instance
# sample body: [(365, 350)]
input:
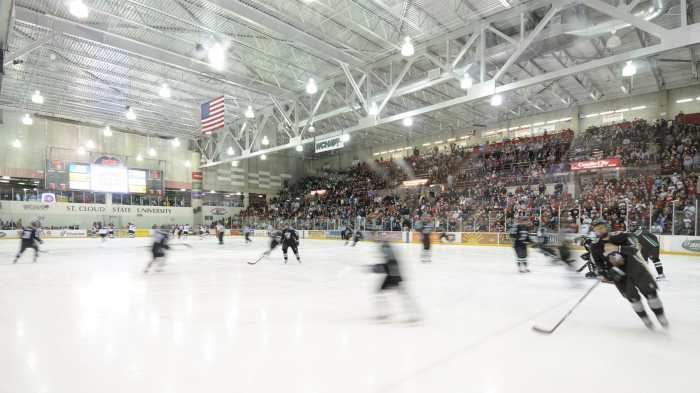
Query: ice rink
[(85, 319)]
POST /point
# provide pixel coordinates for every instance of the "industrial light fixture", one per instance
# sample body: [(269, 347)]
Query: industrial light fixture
[(17, 144), (311, 87), (265, 141), (217, 56), (613, 41), (249, 114), (152, 152), (496, 100), (81, 150), (345, 138), (78, 9), (165, 91), (263, 157), (467, 82), (107, 131), (407, 121), (130, 114), (407, 49), (175, 142), (230, 151), (139, 157), (629, 69), (234, 164), (373, 109), (312, 129), (299, 148), (188, 164), (27, 120), (37, 98), (90, 144)]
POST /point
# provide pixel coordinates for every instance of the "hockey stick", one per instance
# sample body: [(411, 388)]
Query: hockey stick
[(550, 331), (259, 259)]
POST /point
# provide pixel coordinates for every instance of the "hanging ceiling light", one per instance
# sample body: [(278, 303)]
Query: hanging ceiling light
[(373, 109), (496, 100), (90, 144), (407, 121), (107, 131), (299, 148), (81, 150), (263, 157), (175, 142), (613, 41), (152, 152), (407, 49), (629, 69), (265, 141), (234, 163), (230, 151), (130, 114), (217, 56), (78, 9), (312, 129), (467, 82), (27, 120), (345, 138), (165, 91), (311, 87), (139, 157), (249, 114), (17, 144), (188, 164), (37, 98)]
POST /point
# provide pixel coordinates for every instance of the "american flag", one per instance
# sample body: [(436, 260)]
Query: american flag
[(213, 115)]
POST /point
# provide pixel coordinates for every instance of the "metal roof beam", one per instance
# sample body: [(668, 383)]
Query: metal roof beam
[(269, 22)]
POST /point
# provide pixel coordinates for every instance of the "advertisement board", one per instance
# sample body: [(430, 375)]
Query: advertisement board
[(613, 162), (328, 144), (109, 178), (137, 181), (79, 176)]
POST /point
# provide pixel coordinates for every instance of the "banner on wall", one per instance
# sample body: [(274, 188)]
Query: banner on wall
[(56, 175), (328, 144), (108, 161), (48, 198), (595, 164), (197, 178)]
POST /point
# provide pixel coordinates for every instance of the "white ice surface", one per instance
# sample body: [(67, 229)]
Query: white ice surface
[(84, 319)]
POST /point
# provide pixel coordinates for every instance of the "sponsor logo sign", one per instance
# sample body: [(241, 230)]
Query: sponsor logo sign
[(108, 161), (35, 207), (691, 245), (596, 164), (48, 197), (333, 143), (218, 211)]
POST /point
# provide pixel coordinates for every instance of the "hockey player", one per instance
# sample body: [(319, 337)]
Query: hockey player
[(393, 280), (542, 242), (346, 233), (29, 239), (132, 230), (356, 236), (649, 248), (110, 231), (186, 231), (425, 228), (160, 244), (102, 231), (521, 238), (290, 238), (617, 260), (203, 231), (247, 231), (220, 232)]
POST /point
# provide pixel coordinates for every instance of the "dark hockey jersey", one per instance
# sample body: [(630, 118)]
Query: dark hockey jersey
[(520, 235), (290, 237), (648, 242), (29, 236)]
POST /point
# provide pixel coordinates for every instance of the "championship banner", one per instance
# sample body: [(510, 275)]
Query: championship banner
[(596, 164), (328, 144)]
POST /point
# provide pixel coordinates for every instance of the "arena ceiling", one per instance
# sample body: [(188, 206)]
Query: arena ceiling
[(539, 55)]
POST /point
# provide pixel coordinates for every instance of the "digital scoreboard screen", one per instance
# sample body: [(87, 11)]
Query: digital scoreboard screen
[(109, 179), (79, 176)]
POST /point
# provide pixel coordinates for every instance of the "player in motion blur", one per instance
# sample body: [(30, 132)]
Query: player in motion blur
[(393, 281), (425, 228), (617, 260), (29, 237), (649, 247), (160, 244), (288, 237), (521, 238)]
